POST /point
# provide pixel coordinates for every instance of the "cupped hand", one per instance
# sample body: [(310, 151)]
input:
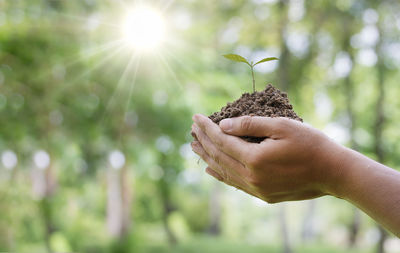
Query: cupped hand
[(294, 162)]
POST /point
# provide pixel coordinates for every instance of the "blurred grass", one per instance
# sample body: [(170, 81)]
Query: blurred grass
[(218, 245), (63, 94)]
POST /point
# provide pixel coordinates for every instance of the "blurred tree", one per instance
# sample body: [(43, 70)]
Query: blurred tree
[(349, 95), (380, 118), (68, 97), (215, 210)]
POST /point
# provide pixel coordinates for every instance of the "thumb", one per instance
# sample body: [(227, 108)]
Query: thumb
[(250, 126)]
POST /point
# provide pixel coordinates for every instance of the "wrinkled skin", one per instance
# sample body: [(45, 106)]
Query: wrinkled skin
[(288, 165), (295, 162)]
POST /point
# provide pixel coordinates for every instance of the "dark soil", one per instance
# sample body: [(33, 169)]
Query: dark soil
[(270, 102)]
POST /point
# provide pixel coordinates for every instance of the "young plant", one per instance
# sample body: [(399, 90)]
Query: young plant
[(238, 58)]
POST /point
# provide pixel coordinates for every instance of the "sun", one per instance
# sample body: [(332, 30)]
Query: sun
[(143, 28)]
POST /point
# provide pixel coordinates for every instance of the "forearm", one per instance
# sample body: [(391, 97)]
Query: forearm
[(372, 187), (296, 162)]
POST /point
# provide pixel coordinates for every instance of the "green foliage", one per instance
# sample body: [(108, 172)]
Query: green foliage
[(213, 245), (69, 88), (265, 60), (238, 58)]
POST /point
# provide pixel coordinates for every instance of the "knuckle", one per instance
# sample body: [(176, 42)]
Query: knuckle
[(219, 143), (198, 151), (227, 178), (254, 180), (280, 122), (216, 158), (200, 137), (245, 123), (208, 160), (283, 123), (253, 161), (213, 171), (220, 178), (224, 176)]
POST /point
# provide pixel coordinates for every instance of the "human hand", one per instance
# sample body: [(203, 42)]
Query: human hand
[(294, 162)]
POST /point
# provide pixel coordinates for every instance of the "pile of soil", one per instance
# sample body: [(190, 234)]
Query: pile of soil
[(270, 102)]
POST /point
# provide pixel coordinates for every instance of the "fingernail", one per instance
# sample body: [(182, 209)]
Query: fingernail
[(199, 119), (196, 117), (214, 174), (226, 124), (195, 146)]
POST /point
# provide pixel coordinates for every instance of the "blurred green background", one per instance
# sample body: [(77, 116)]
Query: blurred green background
[(94, 134)]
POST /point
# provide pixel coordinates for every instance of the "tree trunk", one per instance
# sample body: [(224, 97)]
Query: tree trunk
[(46, 211), (114, 203), (283, 73), (379, 124), (43, 187), (355, 227), (382, 239), (215, 210), (167, 209), (126, 200), (170, 234), (118, 202), (355, 224), (307, 232), (284, 230), (283, 78), (349, 91)]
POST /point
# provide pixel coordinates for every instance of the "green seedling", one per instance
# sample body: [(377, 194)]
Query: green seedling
[(238, 58)]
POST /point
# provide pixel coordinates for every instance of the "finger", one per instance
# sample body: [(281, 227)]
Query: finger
[(217, 155), (193, 135), (214, 174), (252, 126), (225, 174), (231, 145), (215, 163)]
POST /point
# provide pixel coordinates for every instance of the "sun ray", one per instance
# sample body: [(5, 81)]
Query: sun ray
[(120, 82), (128, 101), (166, 5), (133, 82), (89, 70), (188, 72), (182, 65), (134, 60), (185, 49), (170, 71), (69, 62), (79, 18), (98, 49)]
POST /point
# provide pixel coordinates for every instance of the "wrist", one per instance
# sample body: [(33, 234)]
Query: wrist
[(339, 168)]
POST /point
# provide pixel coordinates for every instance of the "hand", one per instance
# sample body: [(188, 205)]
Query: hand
[(294, 162)]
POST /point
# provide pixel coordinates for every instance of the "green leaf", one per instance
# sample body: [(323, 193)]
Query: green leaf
[(236, 57), (266, 59)]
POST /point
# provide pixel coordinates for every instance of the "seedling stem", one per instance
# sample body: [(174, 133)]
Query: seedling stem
[(254, 81), (238, 58)]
